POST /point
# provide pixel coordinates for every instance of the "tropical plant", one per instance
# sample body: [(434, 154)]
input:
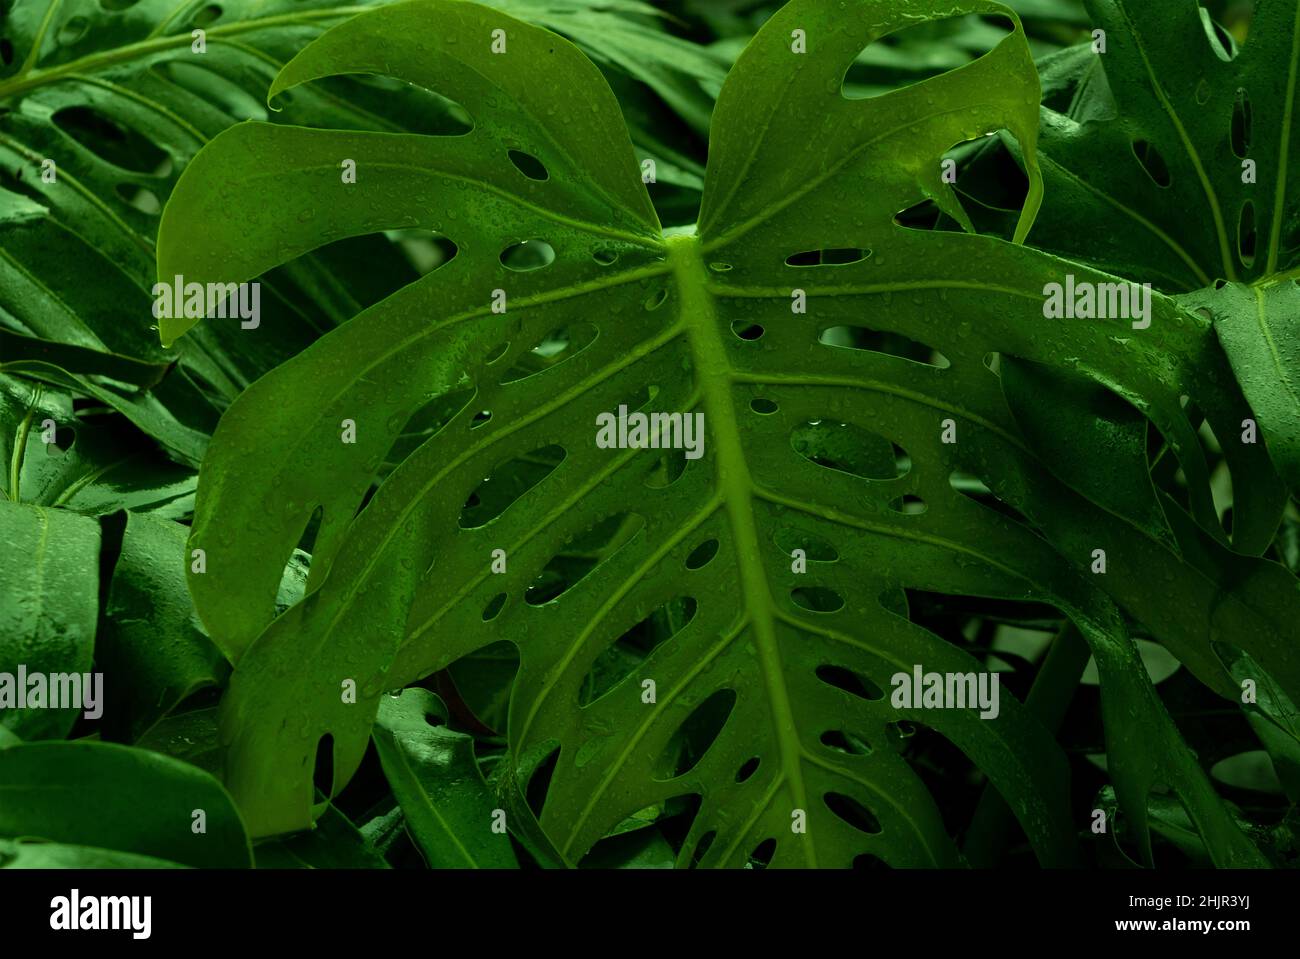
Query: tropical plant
[(893, 452)]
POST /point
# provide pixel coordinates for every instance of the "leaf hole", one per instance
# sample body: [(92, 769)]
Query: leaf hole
[(991, 184), (558, 346), (1246, 237), (73, 30), (527, 255), (581, 554), (866, 861), (928, 216), (528, 165), (311, 530), (656, 299), (65, 437), (110, 140), (429, 419), (702, 555), (1242, 121), (839, 256), (493, 609), (698, 732), (140, 198), (909, 505), (480, 418), (702, 847), (666, 469), (605, 256), (424, 250), (845, 743), (1152, 162), (1220, 40), (507, 484), (877, 341), (323, 771), (763, 406), (206, 16), (747, 770), (852, 812), (817, 599), (746, 330), (852, 683), (762, 855), (900, 730), (849, 449), (627, 655), (539, 782), (974, 488)]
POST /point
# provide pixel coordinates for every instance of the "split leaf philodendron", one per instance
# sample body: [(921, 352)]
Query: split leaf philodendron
[(771, 317)]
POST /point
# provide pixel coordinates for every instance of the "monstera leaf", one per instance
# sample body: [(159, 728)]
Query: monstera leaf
[(1169, 154), (843, 366)]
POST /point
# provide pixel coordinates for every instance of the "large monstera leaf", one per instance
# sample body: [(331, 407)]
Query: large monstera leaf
[(510, 522)]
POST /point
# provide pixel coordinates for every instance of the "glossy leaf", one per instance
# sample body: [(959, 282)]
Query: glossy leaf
[(152, 647), (119, 798), (1259, 327), (49, 588), (1147, 171), (52, 855), (435, 777)]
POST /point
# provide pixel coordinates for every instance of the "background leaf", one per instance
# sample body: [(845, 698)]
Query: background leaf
[(117, 798), (49, 587), (436, 779)]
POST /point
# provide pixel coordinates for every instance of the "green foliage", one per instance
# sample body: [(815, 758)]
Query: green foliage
[(89, 796), (639, 658), (436, 779)]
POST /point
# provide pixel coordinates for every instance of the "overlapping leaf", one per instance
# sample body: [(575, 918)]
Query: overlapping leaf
[(1170, 158), (98, 800)]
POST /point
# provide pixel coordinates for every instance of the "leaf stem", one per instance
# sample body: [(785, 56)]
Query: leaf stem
[(20, 448)]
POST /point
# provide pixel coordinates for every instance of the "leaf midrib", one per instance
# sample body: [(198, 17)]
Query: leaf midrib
[(714, 375), (1279, 365)]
